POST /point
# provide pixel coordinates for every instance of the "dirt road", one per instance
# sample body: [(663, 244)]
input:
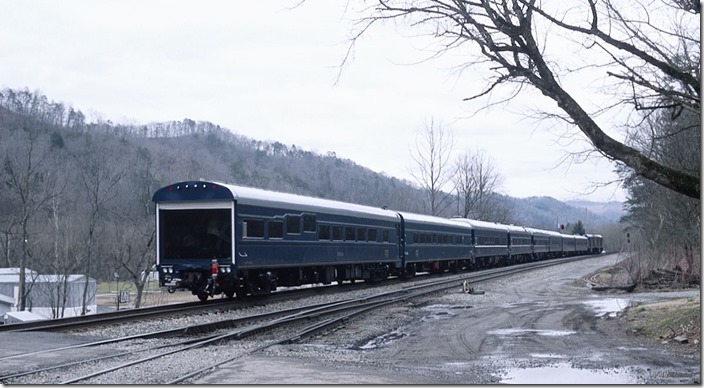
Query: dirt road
[(543, 327)]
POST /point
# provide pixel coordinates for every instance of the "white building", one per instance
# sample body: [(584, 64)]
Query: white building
[(50, 296)]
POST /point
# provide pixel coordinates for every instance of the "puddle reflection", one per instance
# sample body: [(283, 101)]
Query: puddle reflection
[(564, 373), (442, 311), (384, 339), (608, 307), (545, 333)]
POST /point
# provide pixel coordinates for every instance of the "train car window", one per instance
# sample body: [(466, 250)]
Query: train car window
[(252, 228), (276, 229), (372, 234), (416, 238), (361, 234), (293, 225), (324, 232), (349, 233), (337, 233), (385, 235), (309, 223)]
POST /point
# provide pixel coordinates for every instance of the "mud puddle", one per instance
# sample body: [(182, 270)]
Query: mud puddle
[(608, 308), (566, 373), (384, 339), (520, 332), (442, 311)]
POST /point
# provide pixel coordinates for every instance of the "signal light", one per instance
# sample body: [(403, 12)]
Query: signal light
[(214, 267)]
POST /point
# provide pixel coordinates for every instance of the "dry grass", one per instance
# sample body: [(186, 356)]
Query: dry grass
[(664, 321)]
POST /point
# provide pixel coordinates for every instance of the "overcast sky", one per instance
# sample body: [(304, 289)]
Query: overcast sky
[(268, 71)]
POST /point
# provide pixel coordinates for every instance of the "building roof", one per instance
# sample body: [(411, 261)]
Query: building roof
[(12, 275)]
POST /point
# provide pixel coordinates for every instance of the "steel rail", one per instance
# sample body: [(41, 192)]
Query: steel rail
[(288, 316)]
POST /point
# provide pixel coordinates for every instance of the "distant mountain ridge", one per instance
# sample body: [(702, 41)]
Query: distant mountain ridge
[(547, 213), (188, 149), (612, 209)]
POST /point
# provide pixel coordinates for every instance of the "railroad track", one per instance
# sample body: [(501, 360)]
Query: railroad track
[(301, 322), (159, 312)]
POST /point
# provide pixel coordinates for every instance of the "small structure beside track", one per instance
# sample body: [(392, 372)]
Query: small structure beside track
[(50, 296)]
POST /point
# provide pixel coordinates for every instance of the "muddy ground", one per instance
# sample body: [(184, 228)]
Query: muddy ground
[(548, 326)]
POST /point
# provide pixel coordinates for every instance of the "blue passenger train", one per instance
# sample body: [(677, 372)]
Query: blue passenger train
[(215, 238)]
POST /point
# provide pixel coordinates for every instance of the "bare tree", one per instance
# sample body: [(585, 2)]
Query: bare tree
[(100, 172), (133, 239), (667, 223), (477, 184), (431, 160), (650, 52), (133, 252), (26, 172)]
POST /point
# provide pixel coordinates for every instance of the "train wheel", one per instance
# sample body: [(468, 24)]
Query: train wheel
[(203, 296), (409, 272)]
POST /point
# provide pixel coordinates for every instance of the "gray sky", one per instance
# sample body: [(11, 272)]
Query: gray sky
[(268, 72)]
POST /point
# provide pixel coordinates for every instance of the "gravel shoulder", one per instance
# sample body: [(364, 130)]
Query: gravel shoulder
[(547, 326)]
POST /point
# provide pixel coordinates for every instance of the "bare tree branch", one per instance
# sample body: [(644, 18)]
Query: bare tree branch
[(504, 33)]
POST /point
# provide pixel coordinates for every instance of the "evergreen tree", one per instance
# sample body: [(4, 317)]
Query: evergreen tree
[(578, 228)]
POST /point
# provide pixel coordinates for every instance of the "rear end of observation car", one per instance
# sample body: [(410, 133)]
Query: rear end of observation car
[(195, 238)]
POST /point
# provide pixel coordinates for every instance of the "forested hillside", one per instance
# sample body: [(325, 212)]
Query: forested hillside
[(76, 195)]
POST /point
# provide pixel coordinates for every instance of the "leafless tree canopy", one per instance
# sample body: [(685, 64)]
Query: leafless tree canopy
[(431, 164), (477, 184), (649, 51)]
